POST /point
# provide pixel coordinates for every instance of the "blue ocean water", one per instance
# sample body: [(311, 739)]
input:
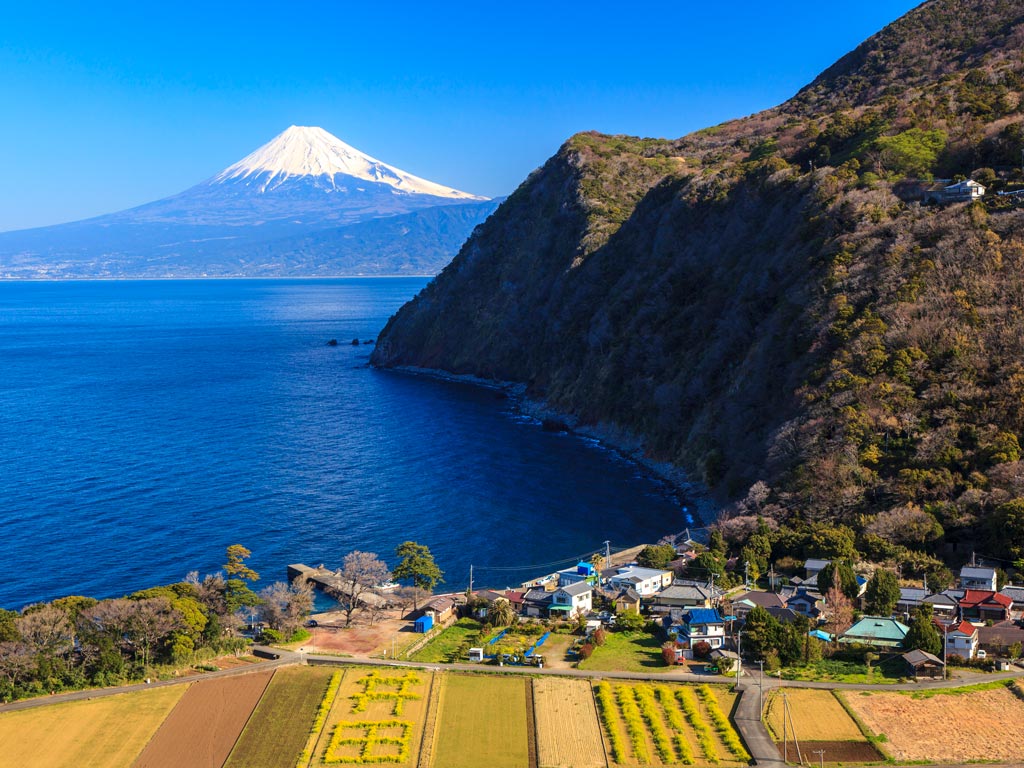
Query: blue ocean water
[(147, 425)]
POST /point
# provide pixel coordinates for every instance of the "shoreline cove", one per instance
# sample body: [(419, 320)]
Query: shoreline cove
[(699, 506)]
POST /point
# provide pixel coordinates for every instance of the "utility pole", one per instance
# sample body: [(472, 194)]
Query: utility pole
[(607, 554), (760, 691), (471, 578), (746, 575), (821, 756), (739, 656)]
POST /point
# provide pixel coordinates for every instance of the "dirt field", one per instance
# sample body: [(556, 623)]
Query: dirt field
[(483, 723), (385, 704), (105, 733), (204, 726), (835, 752), (279, 727), (360, 639), (816, 714), (559, 702), (969, 726)]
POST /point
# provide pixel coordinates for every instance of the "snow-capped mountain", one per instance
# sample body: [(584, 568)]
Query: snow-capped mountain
[(304, 182), (314, 155)]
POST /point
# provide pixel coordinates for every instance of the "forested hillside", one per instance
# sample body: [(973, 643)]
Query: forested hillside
[(769, 304)]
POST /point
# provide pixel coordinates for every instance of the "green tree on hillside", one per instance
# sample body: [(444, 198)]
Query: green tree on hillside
[(839, 574), (883, 592)]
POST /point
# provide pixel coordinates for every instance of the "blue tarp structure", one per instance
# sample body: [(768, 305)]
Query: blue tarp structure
[(424, 623), (537, 645), (497, 637)]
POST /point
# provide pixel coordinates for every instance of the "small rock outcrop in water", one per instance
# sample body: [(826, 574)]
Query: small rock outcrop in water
[(332, 343), (355, 342)]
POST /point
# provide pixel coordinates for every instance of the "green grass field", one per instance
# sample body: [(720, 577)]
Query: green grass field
[(627, 652), (441, 647), (279, 727), (829, 670), (483, 722)]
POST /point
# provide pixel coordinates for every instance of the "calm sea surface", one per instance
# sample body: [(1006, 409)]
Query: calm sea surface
[(145, 426)]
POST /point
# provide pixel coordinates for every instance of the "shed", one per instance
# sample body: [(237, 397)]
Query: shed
[(923, 664), (425, 623)]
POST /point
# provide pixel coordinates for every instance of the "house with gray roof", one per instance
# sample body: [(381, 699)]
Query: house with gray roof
[(976, 577)]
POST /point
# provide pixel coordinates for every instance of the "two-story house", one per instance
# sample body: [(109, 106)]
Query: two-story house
[(976, 577), (572, 599), (702, 625), (961, 639)]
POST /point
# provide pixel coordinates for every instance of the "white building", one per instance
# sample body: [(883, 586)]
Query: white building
[(572, 599), (972, 577), (961, 640), (645, 581), (703, 625)]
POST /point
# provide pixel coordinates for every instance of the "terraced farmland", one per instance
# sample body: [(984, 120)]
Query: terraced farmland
[(483, 722), (664, 724), (560, 702), (372, 716), (203, 727), (821, 725), (279, 727)]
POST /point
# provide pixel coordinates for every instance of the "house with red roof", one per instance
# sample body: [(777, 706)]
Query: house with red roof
[(981, 605), (961, 639)]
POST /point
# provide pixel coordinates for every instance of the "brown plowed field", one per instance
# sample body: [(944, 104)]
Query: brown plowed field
[(836, 752), (204, 726), (956, 726)]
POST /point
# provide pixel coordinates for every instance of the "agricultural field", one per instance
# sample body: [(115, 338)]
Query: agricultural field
[(370, 716), (484, 722), (107, 732), (442, 647), (559, 702), (203, 727), (636, 651), (820, 723), (649, 724), (975, 724), (279, 727)]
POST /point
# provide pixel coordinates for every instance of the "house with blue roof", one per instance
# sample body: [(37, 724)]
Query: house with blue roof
[(702, 625)]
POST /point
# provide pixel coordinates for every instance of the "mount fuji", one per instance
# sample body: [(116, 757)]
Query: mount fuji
[(305, 203)]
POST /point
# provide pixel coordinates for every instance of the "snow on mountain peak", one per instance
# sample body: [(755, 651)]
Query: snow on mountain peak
[(310, 151)]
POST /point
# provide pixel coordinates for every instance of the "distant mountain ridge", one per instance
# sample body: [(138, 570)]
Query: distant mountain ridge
[(767, 304), (304, 181)]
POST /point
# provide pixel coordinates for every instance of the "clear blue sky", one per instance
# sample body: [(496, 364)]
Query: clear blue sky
[(109, 105)]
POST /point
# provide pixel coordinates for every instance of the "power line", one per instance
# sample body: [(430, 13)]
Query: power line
[(552, 564)]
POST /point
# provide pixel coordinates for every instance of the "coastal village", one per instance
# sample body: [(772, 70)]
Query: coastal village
[(697, 623)]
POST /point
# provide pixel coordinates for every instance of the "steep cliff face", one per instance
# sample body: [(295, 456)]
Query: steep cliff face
[(767, 300)]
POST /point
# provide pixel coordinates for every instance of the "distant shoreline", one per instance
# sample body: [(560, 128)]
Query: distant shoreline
[(701, 507), (200, 279)]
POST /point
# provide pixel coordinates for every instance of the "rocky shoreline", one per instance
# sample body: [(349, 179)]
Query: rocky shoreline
[(699, 504)]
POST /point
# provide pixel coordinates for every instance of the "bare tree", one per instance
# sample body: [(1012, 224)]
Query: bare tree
[(151, 621), (16, 661), (47, 631), (360, 573), (840, 610), (285, 606)]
